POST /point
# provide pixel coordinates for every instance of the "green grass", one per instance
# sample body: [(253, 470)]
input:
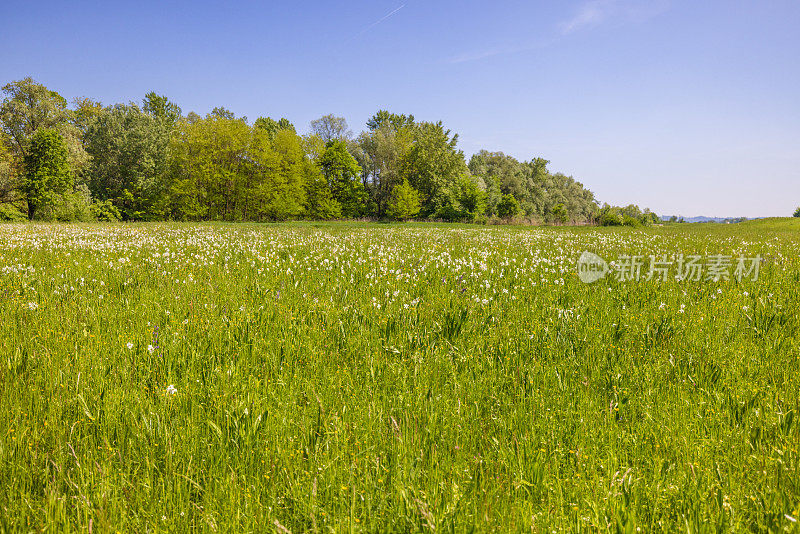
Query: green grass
[(372, 377)]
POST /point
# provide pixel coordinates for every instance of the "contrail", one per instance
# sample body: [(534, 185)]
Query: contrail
[(377, 22)]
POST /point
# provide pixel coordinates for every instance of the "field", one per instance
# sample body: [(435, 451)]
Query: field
[(356, 377)]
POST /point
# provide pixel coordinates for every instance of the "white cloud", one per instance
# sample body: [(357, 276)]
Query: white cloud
[(590, 13), (593, 13)]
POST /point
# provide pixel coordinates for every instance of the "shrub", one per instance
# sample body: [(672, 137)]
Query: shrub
[(405, 202), (611, 217), (508, 207), (627, 220), (559, 214), (10, 213), (105, 211)]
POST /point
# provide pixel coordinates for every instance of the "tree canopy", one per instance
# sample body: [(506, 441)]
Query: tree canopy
[(151, 161)]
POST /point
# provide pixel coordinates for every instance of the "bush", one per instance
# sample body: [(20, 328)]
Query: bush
[(559, 214), (74, 206), (405, 202), (105, 211), (463, 201), (797, 212), (611, 218), (508, 207), (627, 220), (10, 213)]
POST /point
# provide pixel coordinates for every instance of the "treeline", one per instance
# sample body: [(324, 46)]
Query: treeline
[(149, 161), (630, 215)]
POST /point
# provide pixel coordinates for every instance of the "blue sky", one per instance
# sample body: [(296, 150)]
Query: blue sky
[(684, 107)]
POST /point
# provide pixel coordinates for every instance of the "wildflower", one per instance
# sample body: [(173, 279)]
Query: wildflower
[(150, 349), (129, 345), (171, 390), (33, 305)]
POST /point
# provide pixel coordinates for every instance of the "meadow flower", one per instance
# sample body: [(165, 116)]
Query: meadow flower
[(171, 390), (129, 345), (33, 305), (150, 349)]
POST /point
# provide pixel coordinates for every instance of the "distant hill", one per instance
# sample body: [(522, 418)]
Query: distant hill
[(702, 219)]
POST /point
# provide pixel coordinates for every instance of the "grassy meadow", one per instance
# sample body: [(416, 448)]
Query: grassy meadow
[(351, 377)]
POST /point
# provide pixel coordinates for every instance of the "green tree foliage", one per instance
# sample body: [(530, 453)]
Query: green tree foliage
[(537, 190), (10, 192), (611, 217), (630, 215), (796, 212), (105, 210), (47, 172), (161, 108), (222, 113), (150, 162), (433, 166), (224, 169), (211, 166), (85, 113), (29, 106), (320, 203), (462, 200), (405, 202), (275, 189), (391, 120), (508, 207), (380, 153), (558, 214), (343, 174), (502, 174), (129, 150), (559, 188), (271, 126), (330, 128)]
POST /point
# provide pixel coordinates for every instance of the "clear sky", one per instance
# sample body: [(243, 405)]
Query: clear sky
[(686, 107)]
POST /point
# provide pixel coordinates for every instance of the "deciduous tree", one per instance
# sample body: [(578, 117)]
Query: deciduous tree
[(47, 172), (508, 207), (129, 150), (330, 127), (405, 202), (343, 175)]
